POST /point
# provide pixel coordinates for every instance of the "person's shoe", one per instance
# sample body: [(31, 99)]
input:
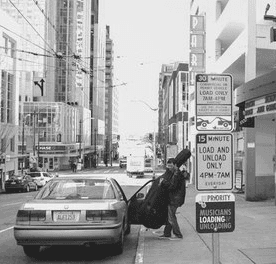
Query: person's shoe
[(164, 237), (157, 232), (174, 238)]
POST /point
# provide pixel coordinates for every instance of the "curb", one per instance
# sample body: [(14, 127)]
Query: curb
[(139, 258)]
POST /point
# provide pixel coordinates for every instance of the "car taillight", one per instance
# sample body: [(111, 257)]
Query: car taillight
[(25, 216), (101, 215), (37, 215), (22, 217)]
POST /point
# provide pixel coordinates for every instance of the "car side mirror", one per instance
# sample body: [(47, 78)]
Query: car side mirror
[(140, 196)]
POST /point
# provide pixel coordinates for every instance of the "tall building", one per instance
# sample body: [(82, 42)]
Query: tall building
[(173, 108), (243, 45), (70, 73), (97, 82), (10, 69), (111, 102)]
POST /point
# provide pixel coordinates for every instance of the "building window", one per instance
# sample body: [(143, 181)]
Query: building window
[(12, 144), (6, 97), (9, 45), (9, 98), (6, 43)]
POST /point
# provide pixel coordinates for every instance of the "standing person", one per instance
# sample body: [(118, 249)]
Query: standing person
[(74, 166), (176, 186)]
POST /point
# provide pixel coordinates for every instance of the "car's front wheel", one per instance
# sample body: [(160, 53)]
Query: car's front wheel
[(36, 187), (31, 251)]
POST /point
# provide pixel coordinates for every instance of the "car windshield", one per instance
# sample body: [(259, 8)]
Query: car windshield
[(72, 189), (34, 174), (15, 178)]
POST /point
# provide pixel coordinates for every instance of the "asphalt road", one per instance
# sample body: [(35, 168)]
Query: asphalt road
[(11, 253)]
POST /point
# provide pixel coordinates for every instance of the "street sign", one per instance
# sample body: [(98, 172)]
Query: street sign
[(215, 212), (214, 162), (214, 99)]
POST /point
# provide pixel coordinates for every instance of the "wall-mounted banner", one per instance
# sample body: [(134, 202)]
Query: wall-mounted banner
[(214, 102), (197, 46), (215, 212), (261, 106), (214, 162), (197, 23)]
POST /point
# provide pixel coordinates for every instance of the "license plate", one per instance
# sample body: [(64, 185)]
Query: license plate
[(66, 216), (13, 182)]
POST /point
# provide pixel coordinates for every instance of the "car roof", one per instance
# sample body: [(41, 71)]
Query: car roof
[(84, 176)]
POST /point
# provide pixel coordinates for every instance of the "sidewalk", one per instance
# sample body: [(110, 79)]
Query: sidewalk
[(252, 241)]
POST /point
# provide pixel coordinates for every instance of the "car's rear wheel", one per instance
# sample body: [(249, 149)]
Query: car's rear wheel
[(128, 229), (119, 246), (31, 251)]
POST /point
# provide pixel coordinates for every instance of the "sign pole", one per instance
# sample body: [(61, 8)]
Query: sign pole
[(215, 247)]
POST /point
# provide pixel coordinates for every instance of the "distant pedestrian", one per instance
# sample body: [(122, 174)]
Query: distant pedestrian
[(74, 166), (176, 186)]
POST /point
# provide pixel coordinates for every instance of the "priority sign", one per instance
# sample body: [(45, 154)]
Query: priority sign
[(214, 162), (215, 212)]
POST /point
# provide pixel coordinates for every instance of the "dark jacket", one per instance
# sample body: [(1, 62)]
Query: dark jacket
[(176, 187)]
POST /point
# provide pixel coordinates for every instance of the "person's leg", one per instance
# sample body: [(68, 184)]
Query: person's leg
[(173, 221), (168, 227)]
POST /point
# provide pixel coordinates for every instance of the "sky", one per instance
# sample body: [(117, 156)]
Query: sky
[(146, 34)]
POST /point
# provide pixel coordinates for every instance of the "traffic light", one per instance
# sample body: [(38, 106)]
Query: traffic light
[(150, 137)]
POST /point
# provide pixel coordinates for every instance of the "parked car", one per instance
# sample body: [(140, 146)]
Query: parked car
[(123, 162), (77, 210), (40, 177), (20, 183), (148, 165)]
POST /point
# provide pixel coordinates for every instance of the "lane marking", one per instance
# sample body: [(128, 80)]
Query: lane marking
[(1, 231), (139, 258), (11, 204)]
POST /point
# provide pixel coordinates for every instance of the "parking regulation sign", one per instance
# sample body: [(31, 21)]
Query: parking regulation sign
[(214, 100), (214, 162), (215, 212)]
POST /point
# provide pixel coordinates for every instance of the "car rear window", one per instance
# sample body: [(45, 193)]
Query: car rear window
[(75, 189)]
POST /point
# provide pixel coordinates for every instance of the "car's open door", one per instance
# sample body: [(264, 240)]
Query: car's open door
[(135, 203), (151, 210)]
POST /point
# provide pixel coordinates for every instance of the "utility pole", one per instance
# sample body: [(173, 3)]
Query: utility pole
[(22, 146), (34, 115), (96, 157), (80, 139), (38, 142), (154, 156)]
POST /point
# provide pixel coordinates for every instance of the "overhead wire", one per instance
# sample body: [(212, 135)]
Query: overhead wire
[(74, 56), (55, 54), (32, 27), (25, 39)]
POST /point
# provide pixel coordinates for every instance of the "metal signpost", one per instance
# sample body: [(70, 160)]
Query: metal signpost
[(215, 212)]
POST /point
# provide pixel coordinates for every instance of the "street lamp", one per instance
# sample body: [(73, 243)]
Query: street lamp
[(154, 143)]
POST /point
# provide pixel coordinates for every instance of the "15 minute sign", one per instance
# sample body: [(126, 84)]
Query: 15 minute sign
[(214, 162)]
